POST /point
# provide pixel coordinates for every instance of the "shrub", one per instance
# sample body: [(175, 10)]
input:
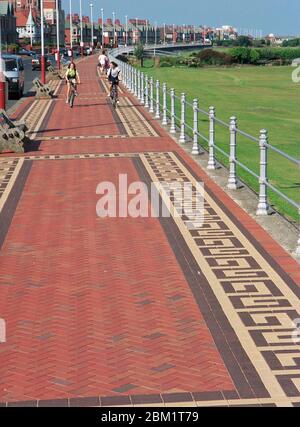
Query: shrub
[(241, 55), (213, 57)]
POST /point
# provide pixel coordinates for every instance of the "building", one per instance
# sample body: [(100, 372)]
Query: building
[(28, 26), (8, 23)]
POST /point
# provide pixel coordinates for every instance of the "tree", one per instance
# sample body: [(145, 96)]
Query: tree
[(139, 53), (244, 41)]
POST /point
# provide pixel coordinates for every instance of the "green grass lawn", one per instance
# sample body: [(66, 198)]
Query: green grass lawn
[(260, 97)]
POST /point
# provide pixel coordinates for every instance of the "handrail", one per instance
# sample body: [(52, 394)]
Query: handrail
[(153, 89)]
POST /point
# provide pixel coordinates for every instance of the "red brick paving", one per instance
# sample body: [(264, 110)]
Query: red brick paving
[(82, 307), (78, 307)]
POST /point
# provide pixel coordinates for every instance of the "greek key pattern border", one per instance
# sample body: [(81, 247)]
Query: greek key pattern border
[(259, 304)]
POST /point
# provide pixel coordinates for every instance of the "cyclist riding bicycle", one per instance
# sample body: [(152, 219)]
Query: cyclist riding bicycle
[(71, 76), (113, 76)]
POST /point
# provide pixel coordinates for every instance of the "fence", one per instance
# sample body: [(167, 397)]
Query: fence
[(162, 102)]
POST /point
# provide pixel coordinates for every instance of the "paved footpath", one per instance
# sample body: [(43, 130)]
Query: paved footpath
[(133, 311)]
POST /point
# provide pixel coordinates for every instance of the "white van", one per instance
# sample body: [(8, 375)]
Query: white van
[(13, 70)]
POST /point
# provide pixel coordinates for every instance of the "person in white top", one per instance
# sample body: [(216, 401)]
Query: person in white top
[(113, 76), (103, 61)]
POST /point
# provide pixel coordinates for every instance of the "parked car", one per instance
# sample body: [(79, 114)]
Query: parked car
[(13, 69), (25, 52), (36, 62)]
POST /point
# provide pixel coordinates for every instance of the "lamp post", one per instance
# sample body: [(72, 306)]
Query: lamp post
[(71, 28), (173, 33), (81, 29), (155, 39), (57, 36), (92, 27), (102, 17), (137, 30), (147, 24), (114, 26), (43, 67), (126, 30), (164, 33), (2, 77)]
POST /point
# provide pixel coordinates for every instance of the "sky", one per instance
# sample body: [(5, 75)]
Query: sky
[(281, 17)]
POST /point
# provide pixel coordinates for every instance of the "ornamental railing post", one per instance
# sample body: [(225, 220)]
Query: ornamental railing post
[(157, 109), (139, 85), (146, 91), (132, 79), (135, 83), (151, 96), (232, 180), (142, 89), (182, 137), (211, 146), (165, 115), (125, 68), (263, 206), (196, 147), (173, 121)]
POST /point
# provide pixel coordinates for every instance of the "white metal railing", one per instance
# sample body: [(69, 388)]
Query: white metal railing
[(156, 97)]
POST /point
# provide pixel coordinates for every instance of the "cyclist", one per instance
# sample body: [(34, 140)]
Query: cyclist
[(71, 75), (103, 62), (113, 76)]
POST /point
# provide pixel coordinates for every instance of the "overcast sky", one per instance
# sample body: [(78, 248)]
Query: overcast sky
[(278, 16)]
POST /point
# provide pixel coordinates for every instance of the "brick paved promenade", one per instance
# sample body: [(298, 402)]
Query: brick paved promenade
[(133, 311)]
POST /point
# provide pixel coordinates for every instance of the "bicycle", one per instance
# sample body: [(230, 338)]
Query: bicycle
[(114, 95), (72, 92)]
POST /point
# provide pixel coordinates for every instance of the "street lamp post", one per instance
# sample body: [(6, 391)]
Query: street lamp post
[(57, 36), (2, 77), (164, 33), (81, 29), (155, 38), (102, 17), (43, 65), (114, 26), (147, 24), (92, 26), (126, 30), (71, 27)]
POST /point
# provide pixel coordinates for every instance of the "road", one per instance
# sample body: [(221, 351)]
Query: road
[(29, 77)]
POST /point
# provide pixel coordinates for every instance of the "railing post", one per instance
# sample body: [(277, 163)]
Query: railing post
[(151, 96), (125, 74), (165, 107), (263, 206), (135, 83), (147, 91), (182, 137), (232, 181), (211, 153), (132, 79), (142, 89), (157, 109), (196, 147), (173, 122), (139, 85)]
